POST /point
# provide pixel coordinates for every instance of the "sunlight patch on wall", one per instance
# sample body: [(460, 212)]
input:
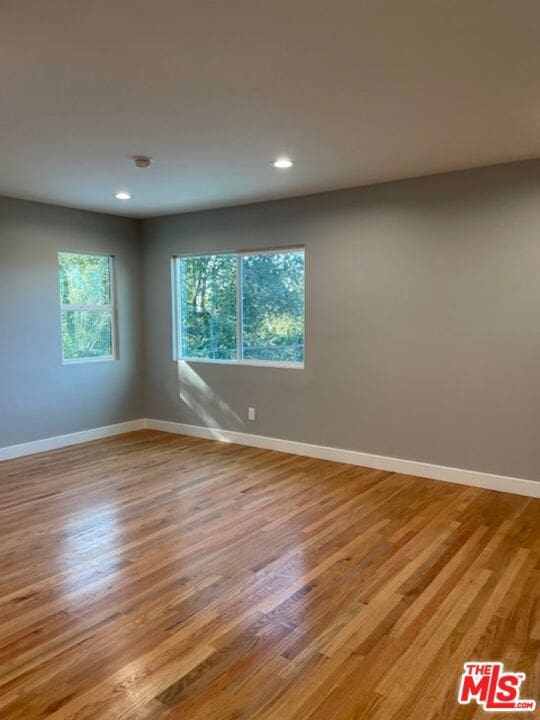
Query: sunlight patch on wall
[(199, 397)]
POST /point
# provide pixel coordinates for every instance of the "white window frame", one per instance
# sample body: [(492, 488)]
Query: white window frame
[(111, 308), (178, 355)]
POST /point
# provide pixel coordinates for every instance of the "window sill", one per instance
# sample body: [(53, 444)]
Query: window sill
[(249, 363), (80, 361)]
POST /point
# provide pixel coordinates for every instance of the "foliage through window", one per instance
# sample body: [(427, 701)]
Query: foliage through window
[(87, 308), (241, 306)]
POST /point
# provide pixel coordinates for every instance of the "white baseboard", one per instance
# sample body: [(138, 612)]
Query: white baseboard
[(517, 486), (60, 441)]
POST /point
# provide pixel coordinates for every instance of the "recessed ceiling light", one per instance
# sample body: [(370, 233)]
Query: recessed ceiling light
[(283, 163), (122, 195)]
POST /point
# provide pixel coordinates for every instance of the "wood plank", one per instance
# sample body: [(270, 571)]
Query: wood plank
[(153, 576)]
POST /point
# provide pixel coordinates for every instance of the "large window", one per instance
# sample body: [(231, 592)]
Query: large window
[(86, 297), (243, 307)]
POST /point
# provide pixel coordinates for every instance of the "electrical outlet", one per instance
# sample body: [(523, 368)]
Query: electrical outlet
[(251, 414)]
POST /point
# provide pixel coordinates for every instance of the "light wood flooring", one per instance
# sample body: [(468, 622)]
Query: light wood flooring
[(155, 576)]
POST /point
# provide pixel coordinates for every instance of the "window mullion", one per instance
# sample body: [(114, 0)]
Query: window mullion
[(87, 308)]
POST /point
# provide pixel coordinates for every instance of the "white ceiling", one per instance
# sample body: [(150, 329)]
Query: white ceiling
[(356, 92)]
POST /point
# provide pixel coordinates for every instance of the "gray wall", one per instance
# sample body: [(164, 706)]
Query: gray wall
[(40, 397), (422, 321)]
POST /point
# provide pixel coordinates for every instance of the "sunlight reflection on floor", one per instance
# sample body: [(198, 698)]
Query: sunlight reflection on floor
[(95, 528)]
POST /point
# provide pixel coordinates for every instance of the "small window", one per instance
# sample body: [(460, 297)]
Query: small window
[(86, 298), (241, 307)]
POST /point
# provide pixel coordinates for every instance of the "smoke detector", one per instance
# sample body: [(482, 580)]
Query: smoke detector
[(142, 161)]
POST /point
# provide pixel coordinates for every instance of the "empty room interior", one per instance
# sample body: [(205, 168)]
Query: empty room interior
[(269, 360)]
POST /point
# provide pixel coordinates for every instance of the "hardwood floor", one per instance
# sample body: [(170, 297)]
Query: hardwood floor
[(155, 576)]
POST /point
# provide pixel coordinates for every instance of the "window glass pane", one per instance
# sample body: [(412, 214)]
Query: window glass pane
[(208, 314), (84, 279), (273, 306), (86, 334)]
